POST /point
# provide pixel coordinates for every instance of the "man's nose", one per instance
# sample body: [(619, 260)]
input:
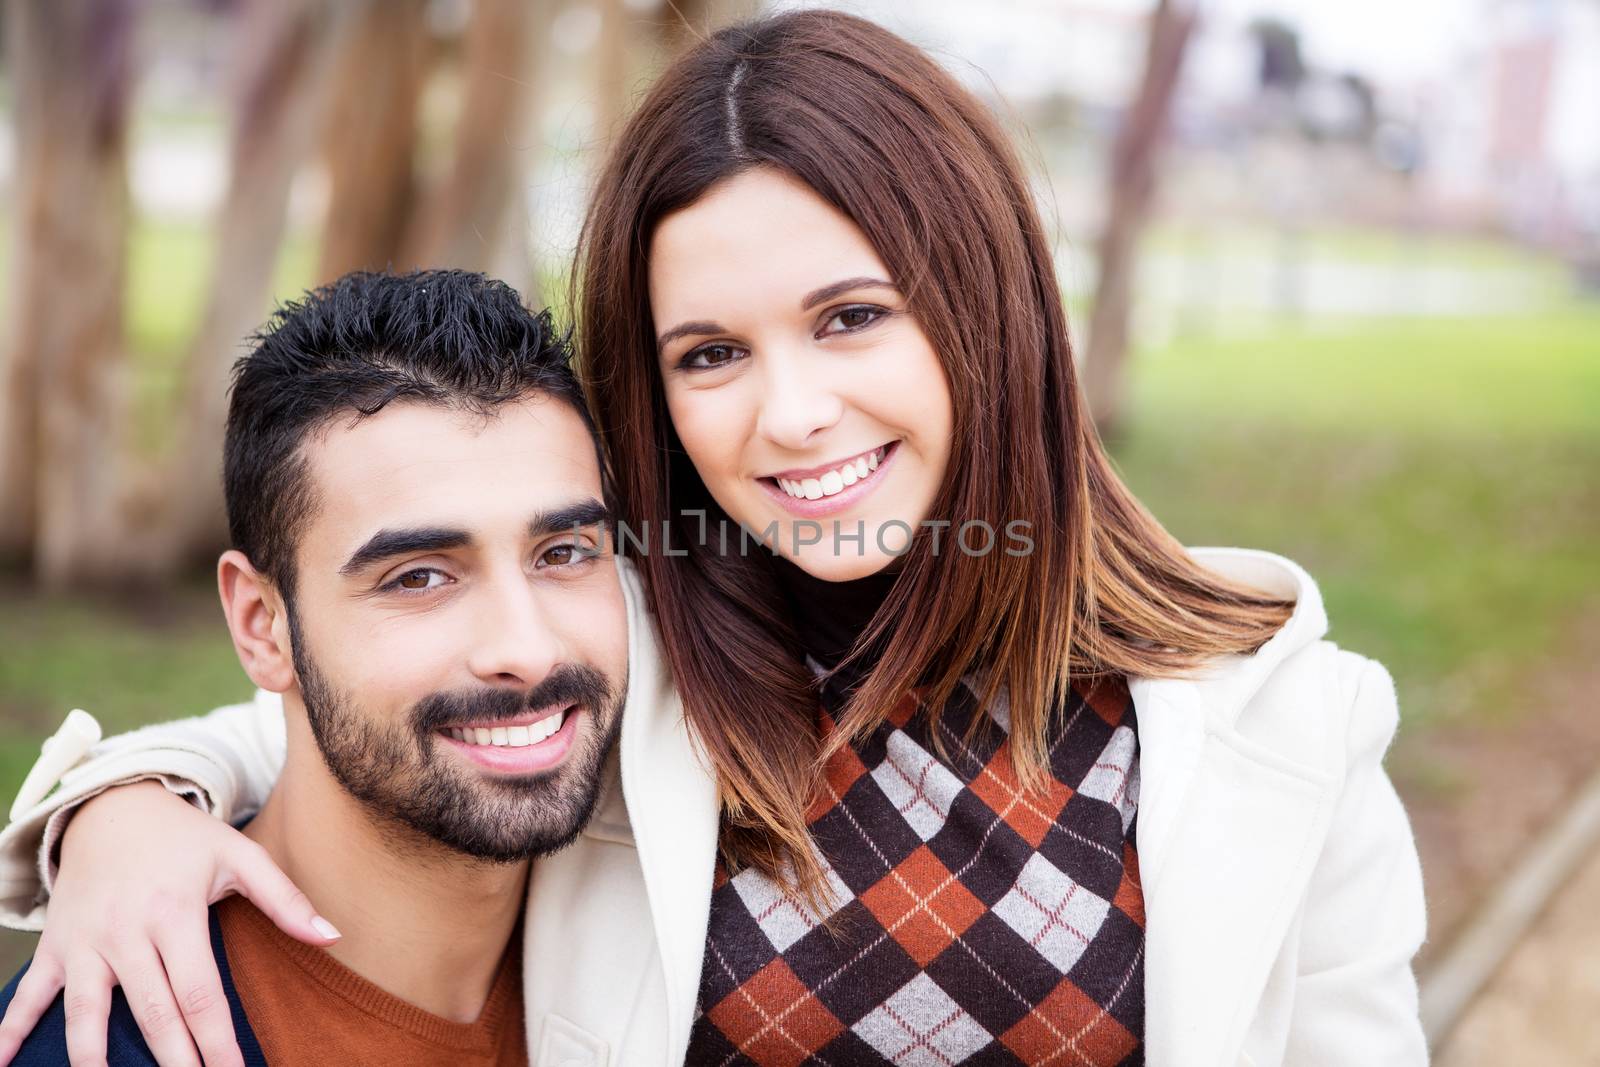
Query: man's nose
[(514, 642), (797, 401)]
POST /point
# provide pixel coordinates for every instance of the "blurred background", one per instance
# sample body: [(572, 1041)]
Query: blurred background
[(1333, 271)]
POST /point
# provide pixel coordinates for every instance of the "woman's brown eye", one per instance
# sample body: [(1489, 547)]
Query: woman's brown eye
[(850, 318), (715, 355)]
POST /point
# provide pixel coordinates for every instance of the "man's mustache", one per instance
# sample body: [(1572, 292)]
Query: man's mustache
[(566, 685)]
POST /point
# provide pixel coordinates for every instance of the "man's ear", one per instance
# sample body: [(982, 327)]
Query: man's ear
[(259, 623)]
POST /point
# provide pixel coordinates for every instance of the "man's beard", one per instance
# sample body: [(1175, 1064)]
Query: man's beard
[(397, 772)]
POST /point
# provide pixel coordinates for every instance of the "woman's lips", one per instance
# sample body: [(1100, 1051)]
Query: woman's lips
[(844, 499)]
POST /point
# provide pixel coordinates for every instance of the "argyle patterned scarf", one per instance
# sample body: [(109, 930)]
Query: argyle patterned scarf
[(969, 920)]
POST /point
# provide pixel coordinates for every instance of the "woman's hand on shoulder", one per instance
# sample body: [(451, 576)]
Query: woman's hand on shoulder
[(139, 869)]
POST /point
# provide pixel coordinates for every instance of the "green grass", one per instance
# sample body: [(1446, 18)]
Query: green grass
[(1436, 476), (128, 660)]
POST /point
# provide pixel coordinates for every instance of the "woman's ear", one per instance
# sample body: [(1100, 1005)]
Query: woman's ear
[(256, 617)]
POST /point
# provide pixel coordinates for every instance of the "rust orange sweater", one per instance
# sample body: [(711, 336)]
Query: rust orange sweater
[(307, 1008)]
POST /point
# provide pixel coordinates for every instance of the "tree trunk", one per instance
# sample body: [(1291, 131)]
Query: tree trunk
[(614, 70), (63, 405), (1131, 191), (465, 219), (370, 138), (681, 23), (286, 48)]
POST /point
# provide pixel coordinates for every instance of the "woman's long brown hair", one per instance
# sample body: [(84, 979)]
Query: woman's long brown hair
[(880, 132)]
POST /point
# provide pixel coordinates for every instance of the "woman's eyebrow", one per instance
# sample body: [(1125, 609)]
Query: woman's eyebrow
[(828, 292), (812, 299), (685, 329)]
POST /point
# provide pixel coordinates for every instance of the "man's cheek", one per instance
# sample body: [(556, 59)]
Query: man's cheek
[(397, 678)]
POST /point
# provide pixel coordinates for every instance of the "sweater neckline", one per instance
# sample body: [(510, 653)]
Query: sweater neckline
[(318, 965)]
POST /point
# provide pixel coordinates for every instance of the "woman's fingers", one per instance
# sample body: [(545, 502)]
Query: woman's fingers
[(88, 1009), (192, 971), (250, 872), (155, 1009), (36, 991)]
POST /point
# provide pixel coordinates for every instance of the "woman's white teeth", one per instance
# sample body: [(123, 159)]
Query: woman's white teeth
[(509, 736), (834, 481)]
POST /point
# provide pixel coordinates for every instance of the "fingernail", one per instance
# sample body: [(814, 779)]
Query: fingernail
[(325, 928)]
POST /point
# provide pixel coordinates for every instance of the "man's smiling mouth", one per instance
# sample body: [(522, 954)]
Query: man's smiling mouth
[(519, 735)]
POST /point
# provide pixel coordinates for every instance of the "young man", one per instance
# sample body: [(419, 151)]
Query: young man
[(420, 570)]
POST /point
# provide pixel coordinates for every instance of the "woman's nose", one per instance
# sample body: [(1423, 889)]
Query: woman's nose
[(796, 403)]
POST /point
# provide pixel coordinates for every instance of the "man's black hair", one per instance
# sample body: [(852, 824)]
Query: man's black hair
[(445, 337)]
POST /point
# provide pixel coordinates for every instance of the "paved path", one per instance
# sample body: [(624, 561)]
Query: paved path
[(1543, 1007)]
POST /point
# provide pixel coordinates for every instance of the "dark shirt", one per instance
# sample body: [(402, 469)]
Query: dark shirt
[(125, 1045)]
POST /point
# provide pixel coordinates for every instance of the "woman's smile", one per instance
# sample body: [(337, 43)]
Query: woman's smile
[(833, 487)]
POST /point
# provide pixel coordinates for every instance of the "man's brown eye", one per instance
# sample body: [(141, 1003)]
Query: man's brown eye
[(560, 555), (414, 580)]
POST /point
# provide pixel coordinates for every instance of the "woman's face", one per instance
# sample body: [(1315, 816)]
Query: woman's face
[(807, 396)]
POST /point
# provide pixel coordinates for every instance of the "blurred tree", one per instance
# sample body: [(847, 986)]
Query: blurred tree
[(285, 53), (626, 61), (346, 79), (355, 72), (370, 137), (682, 22), (614, 69), (465, 218), (1282, 66), (63, 405), (1130, 193)]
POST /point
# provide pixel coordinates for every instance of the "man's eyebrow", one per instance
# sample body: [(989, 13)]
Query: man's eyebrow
[(828, 292), (571, 517), (389, 543), (687, 329)]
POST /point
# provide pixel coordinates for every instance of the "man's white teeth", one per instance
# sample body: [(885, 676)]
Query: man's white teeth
[(833, 481), (509, 736)]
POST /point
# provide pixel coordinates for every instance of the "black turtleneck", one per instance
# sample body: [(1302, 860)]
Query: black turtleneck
[(829, 616)]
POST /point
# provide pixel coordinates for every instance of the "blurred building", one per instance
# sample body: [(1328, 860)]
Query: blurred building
[(1514, 127)]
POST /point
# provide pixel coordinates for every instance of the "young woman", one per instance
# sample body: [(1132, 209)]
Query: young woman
[(973, 762)]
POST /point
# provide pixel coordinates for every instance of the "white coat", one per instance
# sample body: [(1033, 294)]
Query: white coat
[(1283, 893)]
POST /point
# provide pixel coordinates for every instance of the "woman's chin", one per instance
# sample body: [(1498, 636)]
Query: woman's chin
[(825, 563)]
